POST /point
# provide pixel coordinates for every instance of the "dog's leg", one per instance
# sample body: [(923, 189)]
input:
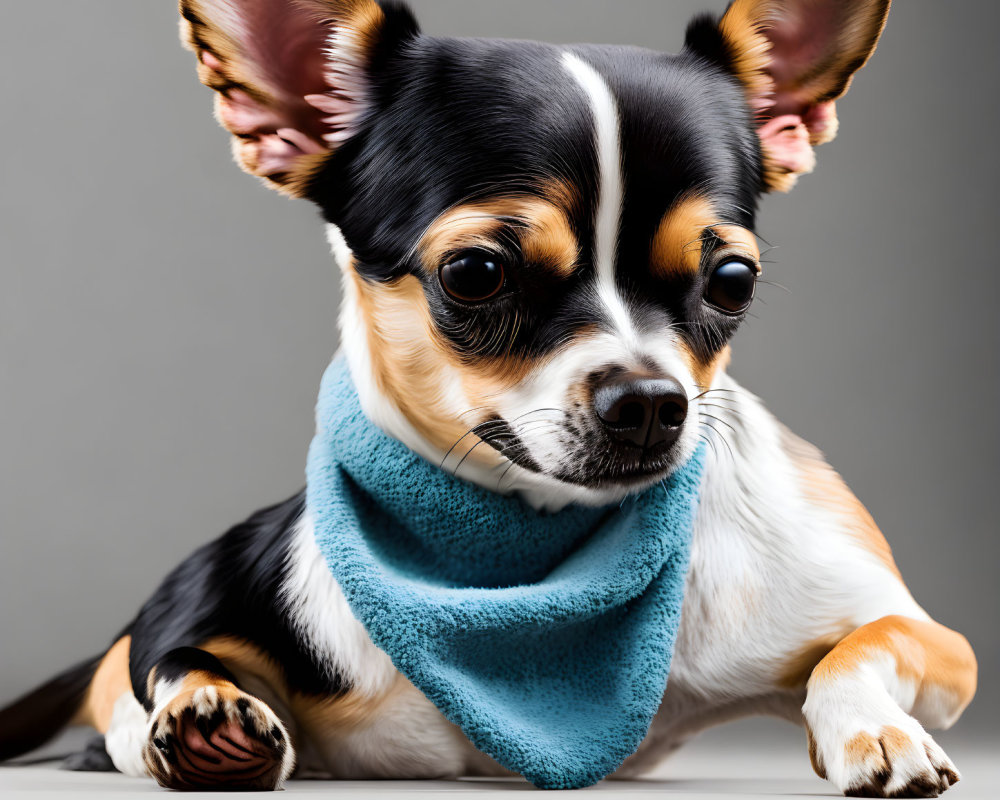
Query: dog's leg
[(207, 733), (860, 698)]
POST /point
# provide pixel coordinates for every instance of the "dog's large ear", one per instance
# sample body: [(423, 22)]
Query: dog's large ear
[(294, 77), (794, 59)]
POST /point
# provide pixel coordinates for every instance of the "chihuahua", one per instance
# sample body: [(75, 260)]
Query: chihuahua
[(545, 251)]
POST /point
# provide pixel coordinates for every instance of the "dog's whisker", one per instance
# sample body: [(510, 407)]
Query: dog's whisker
[(456, 444), (720, 420), (472, 411), (717, 436), (718, 433), (765, 241), (737, 392), (734, 402), (476, 430), (735, 412), (712, 397), (775, 284), (710, 442), (504, 475)]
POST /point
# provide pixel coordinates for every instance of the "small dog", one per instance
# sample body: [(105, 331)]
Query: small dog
[(545, 250)]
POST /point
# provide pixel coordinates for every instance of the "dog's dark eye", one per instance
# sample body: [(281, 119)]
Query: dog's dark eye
[(731, 286), (474, 277)]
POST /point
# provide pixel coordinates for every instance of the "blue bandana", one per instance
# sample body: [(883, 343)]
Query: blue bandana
[(545, 637)]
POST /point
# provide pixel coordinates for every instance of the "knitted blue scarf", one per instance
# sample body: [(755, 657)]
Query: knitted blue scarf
[(545, 637)]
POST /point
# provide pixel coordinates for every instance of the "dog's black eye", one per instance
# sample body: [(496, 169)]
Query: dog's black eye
[(474, 277), (731, 286)]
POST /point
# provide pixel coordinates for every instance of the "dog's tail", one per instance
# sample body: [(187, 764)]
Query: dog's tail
[(30, 722)]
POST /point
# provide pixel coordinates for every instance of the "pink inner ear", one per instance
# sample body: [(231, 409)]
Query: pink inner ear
[(788, 139), (786, 142), (821, 120), (276, 152), (276, 146), (800, 38), (308, 73)]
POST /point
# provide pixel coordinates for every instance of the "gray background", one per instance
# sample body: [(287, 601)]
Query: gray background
[(164, 321)]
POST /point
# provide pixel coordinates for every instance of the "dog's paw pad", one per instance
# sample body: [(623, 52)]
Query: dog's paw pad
[(217, 737)]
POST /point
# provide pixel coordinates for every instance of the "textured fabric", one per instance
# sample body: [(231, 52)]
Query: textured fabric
[(545, 637)]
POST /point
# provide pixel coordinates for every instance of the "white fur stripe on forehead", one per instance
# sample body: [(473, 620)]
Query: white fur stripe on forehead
[(609, 201)]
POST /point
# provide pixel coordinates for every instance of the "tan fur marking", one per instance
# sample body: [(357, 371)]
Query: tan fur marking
[(800, 665), (199, 679), (677, 243), (864, 749), (363, 17), (742, 27), (895, 743), (317, 716), (245, 658), (927, 654), (541, 226), (704, 372), (326, 717), (738, 241), (824, 487), (110, 682), (410, 362), (462, 228)]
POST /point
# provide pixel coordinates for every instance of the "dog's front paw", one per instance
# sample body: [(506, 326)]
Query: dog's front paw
[(882, 753), (217, 737)]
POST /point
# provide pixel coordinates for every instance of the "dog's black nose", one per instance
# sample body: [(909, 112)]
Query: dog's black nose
[(643, 413)]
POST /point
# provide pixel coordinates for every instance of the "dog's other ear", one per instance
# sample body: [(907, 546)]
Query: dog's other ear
[(794, 59), (294, 77)]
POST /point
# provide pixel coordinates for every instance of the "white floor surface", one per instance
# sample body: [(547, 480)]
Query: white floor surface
[(752, 759)]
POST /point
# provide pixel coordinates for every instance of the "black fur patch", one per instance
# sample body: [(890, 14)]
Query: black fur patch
[(183, 660), (93, 758), (28, 723)]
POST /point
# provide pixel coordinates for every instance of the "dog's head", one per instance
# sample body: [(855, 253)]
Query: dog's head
[(546, 249)]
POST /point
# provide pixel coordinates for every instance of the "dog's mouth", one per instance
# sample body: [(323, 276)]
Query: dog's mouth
[(618, 466), (587, 457)]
